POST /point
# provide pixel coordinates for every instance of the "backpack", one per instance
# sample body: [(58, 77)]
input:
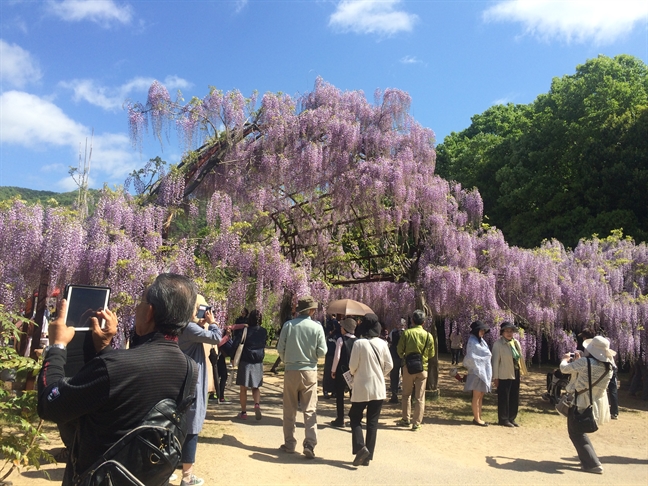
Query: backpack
[(148, 454)]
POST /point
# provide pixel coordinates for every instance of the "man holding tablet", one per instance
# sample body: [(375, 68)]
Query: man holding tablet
[(115, 390)]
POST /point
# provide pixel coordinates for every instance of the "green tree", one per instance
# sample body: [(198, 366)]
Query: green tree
[(570, 164)]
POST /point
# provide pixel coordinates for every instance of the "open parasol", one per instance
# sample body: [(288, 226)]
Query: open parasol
[(348, 307)]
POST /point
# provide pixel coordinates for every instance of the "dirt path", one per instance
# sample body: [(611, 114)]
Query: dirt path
[(448, 450)]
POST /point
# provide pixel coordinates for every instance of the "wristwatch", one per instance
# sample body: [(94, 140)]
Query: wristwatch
[(47, 348)]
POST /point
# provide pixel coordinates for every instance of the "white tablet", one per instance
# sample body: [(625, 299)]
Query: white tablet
[(84, 301)]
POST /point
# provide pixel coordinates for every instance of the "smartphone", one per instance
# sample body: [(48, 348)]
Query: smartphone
[(202, 309), (84, 301)]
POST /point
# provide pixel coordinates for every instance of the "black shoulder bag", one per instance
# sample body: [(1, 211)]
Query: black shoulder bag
[(414, 361), (148, 454)]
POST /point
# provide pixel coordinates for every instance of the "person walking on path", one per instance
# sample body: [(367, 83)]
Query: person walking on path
[(480, 370), (394, 375), (415, 345), (508, 365), (456, 344), (301, 344), (593, 369), (343, 347), (250, 368), (191, 343), (370, 361)]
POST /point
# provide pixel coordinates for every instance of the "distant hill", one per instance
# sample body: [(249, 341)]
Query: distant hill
[(32, 196)]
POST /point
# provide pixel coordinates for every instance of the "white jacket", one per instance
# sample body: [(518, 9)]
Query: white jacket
[(368, 372), (579, 382)]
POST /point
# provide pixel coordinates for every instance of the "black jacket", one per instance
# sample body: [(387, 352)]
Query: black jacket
[(111, 394)]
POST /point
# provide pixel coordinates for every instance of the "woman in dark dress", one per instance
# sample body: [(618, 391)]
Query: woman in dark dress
[(250, 369)]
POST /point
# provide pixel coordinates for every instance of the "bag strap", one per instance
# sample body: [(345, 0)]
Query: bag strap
[(376, 352), (589, 377), (184, 400)]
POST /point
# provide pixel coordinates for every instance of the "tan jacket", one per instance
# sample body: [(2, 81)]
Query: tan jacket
[(503, 366)]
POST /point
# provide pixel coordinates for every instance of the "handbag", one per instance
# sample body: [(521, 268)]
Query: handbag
[(584, 422), (414, 361), (566, 402), (239, 349)]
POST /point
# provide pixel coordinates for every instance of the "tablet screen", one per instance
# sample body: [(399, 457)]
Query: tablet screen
[(83, 304)]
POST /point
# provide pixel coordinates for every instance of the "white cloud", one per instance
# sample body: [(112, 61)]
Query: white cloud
[(601, 21), (410, 60), (103, 12), (240, 5), (113, 98), (37, 124), (17, 67), (371, 17)]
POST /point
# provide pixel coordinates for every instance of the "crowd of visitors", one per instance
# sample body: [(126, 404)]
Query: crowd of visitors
[(114, 391)]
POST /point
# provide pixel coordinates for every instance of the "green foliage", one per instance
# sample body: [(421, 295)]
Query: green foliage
[(20, 434), (572, 163), (45, 198)]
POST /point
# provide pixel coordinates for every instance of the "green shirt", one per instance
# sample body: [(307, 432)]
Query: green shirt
[(413, 341)]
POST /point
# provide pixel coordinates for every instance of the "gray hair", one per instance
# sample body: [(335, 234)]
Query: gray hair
[(173, 298)]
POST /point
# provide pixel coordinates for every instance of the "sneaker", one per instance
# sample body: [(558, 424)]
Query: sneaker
[(362, 455), (173, 477), (593, 470), (366, 462), (257, 412), (416, 427), (614, 417), (284, 448), (394, 399), (515, 424), (221, 400), (403, 423), (242, 416), (193, 481), (309, 452), (337, 423)]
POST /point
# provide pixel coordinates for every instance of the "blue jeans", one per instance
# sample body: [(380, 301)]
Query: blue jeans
[(189, 449)]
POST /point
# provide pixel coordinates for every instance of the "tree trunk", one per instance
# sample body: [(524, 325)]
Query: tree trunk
[(43, 289), (432, 382)]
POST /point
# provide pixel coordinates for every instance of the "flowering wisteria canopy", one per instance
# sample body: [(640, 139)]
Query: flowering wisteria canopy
[(294, 195)]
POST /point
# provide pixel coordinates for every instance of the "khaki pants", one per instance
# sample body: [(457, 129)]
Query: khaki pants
[(417, 382), (300, 387)]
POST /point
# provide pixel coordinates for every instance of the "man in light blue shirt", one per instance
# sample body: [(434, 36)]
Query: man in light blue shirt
[(300, 346)]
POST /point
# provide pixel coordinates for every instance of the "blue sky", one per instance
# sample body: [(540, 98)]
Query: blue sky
[(67, 66)]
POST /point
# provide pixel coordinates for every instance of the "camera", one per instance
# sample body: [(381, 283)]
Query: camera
[(202, 309)]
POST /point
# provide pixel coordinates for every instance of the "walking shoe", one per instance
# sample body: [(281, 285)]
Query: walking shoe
[(403, 423), (416, 427), (614, 416), (173, 477), (337, 423), (309, 452), (394, 399), (593, 470), (193, 481), (362, 455), (242, 416), (506, 423), (257, 412), (366, 462), (284, 448), (515, 424), (221, 400)]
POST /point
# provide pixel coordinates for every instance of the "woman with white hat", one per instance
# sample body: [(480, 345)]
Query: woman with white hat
[(597, 357)]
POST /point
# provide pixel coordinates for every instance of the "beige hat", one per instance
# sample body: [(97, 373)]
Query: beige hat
[(599, 348), (200, 300), (306, 303)]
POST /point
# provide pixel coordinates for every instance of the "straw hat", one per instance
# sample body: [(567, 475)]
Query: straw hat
[(599, 348), (306, 303)]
